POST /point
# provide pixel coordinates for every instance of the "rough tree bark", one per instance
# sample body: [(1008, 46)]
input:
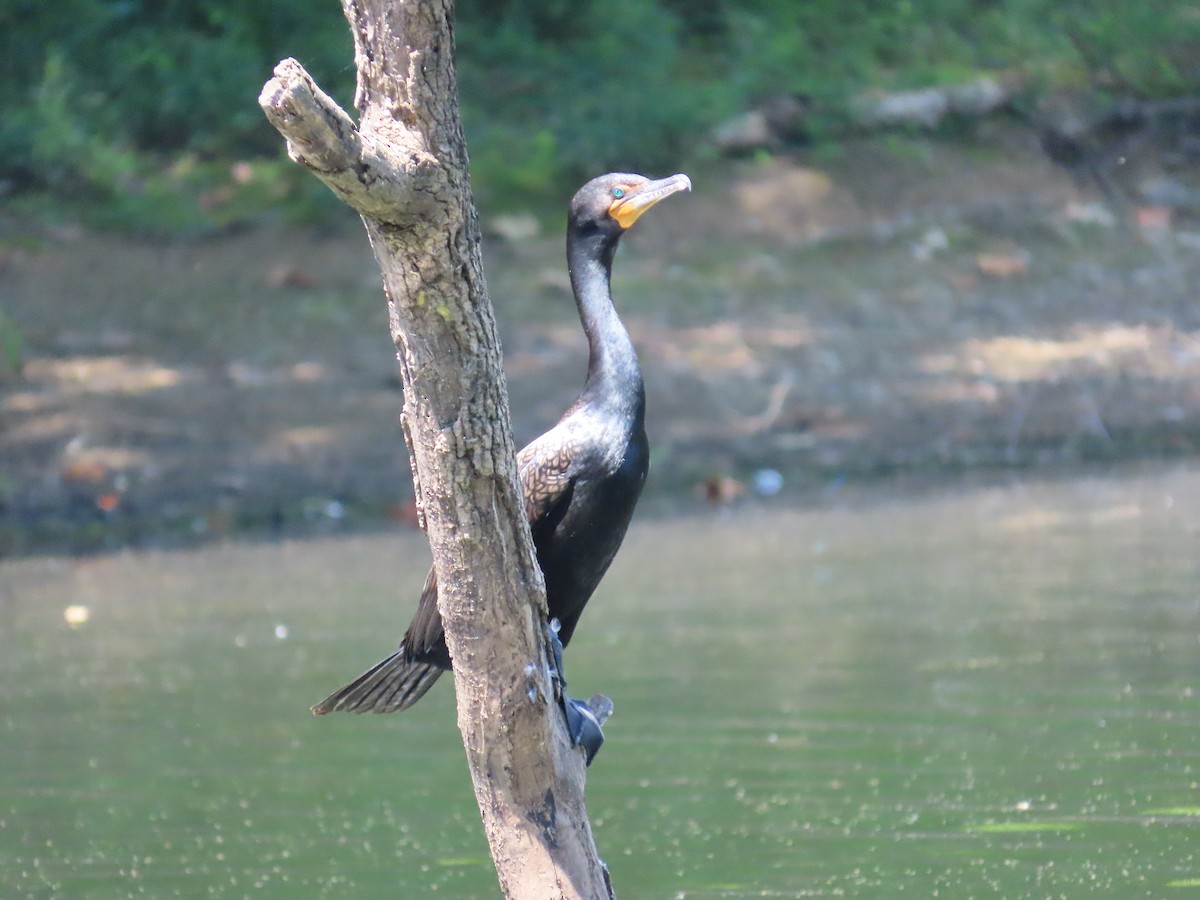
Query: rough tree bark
[(403, 168)]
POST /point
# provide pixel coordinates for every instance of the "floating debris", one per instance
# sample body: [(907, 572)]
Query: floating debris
[(932, 242), (1003, 265), (719, 490), (768, 482)]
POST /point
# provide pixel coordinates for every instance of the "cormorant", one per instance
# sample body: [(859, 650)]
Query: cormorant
[(581, 479)]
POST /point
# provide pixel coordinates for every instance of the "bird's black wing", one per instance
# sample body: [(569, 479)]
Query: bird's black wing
[(544, 468), (402, 679), (425, 638), (394, 684)]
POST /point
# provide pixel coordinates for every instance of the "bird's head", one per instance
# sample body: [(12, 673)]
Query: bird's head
[(612, 203)]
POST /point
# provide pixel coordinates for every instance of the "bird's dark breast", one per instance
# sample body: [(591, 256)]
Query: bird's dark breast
[(577, 551)]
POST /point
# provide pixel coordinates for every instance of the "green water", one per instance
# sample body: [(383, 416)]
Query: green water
[(988, 692)]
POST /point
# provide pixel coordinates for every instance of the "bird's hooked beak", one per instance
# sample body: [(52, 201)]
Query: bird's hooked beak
[(627, 209)]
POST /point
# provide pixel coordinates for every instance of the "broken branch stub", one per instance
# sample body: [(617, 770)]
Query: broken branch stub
[(389, 180)]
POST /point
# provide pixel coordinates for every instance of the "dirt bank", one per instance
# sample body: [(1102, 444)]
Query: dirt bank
[(908, 306)]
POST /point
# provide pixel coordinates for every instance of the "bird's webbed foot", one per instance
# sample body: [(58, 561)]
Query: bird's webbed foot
[(584, 718)]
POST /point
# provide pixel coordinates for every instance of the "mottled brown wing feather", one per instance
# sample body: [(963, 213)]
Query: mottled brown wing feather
[(545, 471)]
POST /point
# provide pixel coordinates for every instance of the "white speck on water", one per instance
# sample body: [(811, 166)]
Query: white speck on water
[(76, 615), (281, 632)]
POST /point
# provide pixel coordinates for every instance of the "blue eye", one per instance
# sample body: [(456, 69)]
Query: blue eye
[(618, 193)]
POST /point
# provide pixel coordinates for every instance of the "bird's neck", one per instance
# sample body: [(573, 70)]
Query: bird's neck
[(614, 376)]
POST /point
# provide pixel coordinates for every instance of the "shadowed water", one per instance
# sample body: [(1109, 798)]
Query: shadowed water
[(986, 692)]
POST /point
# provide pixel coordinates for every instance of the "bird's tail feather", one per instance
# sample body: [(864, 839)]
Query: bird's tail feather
[(394, 684)]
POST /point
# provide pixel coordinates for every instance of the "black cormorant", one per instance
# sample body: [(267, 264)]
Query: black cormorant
[(581, 479)]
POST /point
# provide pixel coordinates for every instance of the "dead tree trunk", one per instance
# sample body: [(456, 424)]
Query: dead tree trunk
[(403, 168)]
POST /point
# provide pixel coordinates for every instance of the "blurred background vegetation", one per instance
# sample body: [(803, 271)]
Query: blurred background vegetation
[(141, 109)]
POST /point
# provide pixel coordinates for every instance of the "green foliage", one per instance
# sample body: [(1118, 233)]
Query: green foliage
[(106, 102), (12, 344), (553, 91), (1142, 48), (140, 106), (116, 184)]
